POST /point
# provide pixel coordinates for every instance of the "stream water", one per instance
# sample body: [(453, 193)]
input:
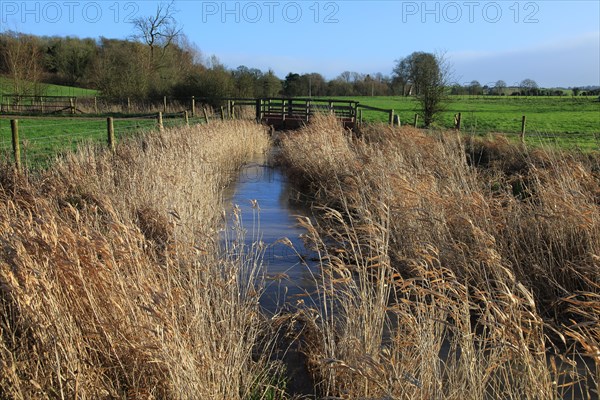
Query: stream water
[(269, 214)]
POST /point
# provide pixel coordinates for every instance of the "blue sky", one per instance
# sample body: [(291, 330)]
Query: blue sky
[(556, 43)]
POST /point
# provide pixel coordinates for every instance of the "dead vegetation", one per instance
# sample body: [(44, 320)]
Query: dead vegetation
[(451, 269), (112, 280)]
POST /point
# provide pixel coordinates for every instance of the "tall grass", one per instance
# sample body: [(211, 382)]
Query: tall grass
[(112, 282), (445, 276)]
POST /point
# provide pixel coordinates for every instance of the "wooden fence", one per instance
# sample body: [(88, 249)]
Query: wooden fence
[(278, 112), (32, 136)]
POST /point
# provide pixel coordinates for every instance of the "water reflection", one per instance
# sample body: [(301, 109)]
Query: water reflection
[(268, 212)]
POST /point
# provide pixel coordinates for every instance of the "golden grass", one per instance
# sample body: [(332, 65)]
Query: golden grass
[(445, 276), (112, 284)]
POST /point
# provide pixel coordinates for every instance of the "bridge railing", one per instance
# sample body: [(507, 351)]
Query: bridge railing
[(275, 111)]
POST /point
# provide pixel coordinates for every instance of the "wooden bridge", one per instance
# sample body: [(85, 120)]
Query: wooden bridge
[(293, 113)]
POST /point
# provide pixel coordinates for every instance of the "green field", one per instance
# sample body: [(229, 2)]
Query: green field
[(43, 138), (49, 90), (565, 121)]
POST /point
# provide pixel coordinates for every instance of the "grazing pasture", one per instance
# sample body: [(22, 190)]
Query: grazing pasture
[(565, 121), (43, 138)]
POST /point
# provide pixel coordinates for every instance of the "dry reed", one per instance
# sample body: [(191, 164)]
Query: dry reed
[(112, 280), (445, 276)]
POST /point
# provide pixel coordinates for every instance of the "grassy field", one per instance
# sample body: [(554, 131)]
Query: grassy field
[(42, 138), (49, 89), (566, 121)]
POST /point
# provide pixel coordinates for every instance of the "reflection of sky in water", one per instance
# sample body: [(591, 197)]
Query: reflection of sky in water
[(276, 220)]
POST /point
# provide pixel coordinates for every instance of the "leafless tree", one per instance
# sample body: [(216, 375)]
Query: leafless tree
[(158, 31), (21, 59), (500, 87)]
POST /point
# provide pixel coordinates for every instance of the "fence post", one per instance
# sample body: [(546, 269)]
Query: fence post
[(128, 105), (205, 114), (193, 106), (523, 123), (416, 120), (258, 110), (71, 105), (307, 110), (232, 113), (14, 127), (397, 120), (159, 120), (186, 119), (222, 113), (95, 105), (457, 121), (391, 117), (360, 120), (110, 129), (164, 104)]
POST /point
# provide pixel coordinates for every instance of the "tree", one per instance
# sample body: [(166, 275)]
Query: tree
[(270, 85), (529, 87), (21, 60), (317, 86), (119, 70), (70, 59), (500, 87), (401, 75), (157, 31), (246, 81), (339, 87), (293, 86), (475, 88), (429, 74)]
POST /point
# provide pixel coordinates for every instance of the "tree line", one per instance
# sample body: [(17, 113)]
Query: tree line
[(153, 64), (145, 67)]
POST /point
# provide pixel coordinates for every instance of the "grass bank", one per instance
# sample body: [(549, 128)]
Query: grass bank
[(112, 280), (452, 268)]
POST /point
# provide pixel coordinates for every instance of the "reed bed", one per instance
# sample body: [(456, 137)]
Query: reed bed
[(452, 268), (113, 283)]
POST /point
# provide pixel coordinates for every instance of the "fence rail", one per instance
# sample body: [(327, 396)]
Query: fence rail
[(272, 111), (281, 113), (34, 142)]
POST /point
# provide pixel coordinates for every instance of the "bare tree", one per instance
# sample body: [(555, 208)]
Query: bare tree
[(529, 87), (21, 59), (500, 87), (158, 31)]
